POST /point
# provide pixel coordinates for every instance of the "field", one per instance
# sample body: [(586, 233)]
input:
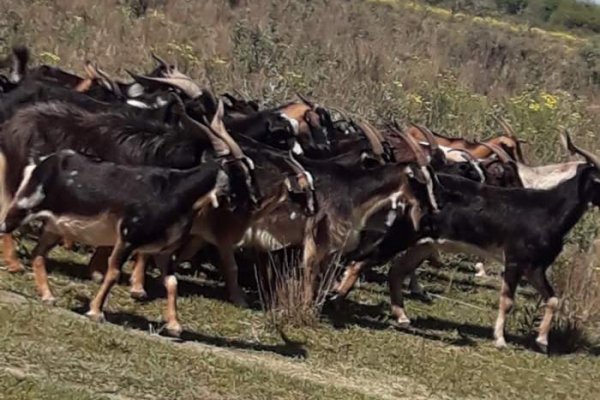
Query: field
[(381, 59)]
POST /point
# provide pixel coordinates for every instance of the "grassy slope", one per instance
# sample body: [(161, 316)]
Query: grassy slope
[(234, 353)]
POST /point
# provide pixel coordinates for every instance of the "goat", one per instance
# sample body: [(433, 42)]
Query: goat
[(477, 218), (112, 136), (151, 213), (349, 197), (508, 141)]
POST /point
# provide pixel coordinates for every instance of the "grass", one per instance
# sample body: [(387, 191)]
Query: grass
[(234, 353)]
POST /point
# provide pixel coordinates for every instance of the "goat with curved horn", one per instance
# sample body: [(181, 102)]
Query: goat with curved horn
[(373, 138), (96, 73), (433, 143), (502, 155), (161, 62), (420, 156), (508, 130), (219, 129), (574, 149), (306, 101), (220, 147), (174, 79)]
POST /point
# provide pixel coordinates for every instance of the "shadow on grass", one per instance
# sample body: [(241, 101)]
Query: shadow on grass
[(210, 289), (289, 348), (375, 317)]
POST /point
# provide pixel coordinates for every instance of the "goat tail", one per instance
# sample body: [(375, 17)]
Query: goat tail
[(17, 61), (4, 198)]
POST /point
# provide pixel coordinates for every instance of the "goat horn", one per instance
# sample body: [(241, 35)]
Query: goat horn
[(219, 128), (299, 169), (343, 114), (497, 150), (573, 148), (414, 146), (114, 87), (508, 130), (305, 100), (184, 83), (159, 60), (373, 138), (219, 145), (433, 143)]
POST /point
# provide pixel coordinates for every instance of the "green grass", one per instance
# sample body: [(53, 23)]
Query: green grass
[(234, 353)]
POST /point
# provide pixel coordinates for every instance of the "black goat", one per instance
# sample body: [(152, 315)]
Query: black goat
[(524, 228), (151, 212)]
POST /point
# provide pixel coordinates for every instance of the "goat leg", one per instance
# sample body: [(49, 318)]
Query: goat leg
[(137, 279), (512, 274), (229, 269), (538, 280), (400, 269), (120, 254), (98, 263), (46, 242), (10, 254), (349, 278), (166, 263)]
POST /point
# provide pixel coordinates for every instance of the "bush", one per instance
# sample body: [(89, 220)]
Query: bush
[(284, 291), (512, 6)]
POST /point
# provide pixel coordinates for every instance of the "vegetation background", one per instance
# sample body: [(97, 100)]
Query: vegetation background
[(449, 64)]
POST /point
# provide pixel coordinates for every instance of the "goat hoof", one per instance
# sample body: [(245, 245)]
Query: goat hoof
[(174, 329), (15, 268), (239, 301), (480, 270), (500, 343), (542, 346), (97, 277), (139, 295), (422, 296), (49, 300), (403, 323), (95, 316)]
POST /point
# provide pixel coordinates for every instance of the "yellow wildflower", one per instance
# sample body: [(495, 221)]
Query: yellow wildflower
[(550, 101)]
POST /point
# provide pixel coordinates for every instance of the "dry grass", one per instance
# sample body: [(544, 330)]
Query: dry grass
[(286, 294)]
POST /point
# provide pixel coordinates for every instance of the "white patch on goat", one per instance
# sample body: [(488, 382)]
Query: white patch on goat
[(547, 176), (135, 90), (475, 165), (261, 239), (138, 104), (171, 280), (293, 215), (429, 185), (160, 102), (297, 149), (293, 122), (4, 197), (35, 198), (394, 199), (310, 179), (391, 217), (15, 77)]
